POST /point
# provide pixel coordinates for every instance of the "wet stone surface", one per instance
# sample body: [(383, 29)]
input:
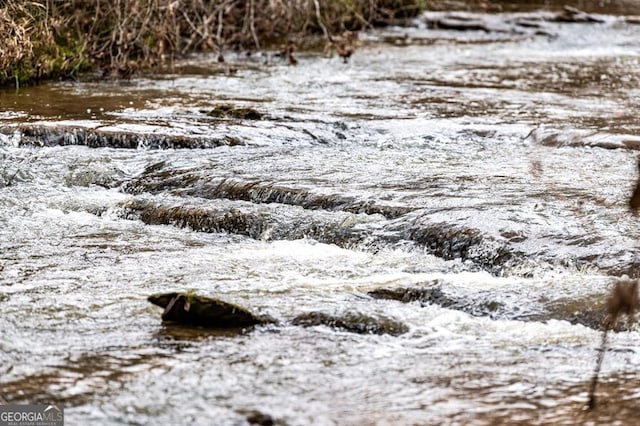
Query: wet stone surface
[(351, 322), (200, 311), (590, 311)]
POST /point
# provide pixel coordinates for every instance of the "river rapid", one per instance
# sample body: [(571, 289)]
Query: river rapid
[(480, 177)]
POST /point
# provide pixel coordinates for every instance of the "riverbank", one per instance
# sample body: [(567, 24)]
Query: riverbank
[(63, 39), (49, 40)]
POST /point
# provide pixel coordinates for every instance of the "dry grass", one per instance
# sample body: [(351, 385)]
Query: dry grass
[(59, 38), (37, 43)]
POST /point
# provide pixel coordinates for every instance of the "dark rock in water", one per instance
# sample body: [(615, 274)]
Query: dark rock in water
[(446, 242), (34, 135), (197, 218), (178, 335), (230, 111), (634, 201), (461, 23), (352, 322), (261, 419), (199, 183), (435, 295), (572, 15), (588, 311), (432, 294), (451, 242), (269, 224), (203, 311)]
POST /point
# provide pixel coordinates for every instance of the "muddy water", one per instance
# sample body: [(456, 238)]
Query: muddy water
[(471, 185)]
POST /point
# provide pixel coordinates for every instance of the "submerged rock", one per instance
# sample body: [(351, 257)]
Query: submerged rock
[(204, 311), (191, 309), (200, 219), (199, 183), (39, 136), (432, 294), (259, 418), (230, 111), (572, 15), (435, 295), (459, 22), (589, 311), (352, 322), (270, 223), (451, 242)]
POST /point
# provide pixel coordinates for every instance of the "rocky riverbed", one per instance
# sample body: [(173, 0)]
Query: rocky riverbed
[(432, 228)]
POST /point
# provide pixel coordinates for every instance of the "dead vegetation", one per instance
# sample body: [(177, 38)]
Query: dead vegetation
[(623, 301), (48, 39)]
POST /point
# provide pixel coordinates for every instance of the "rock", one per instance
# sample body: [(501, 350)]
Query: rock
[(572, 15), (261, 419), (589, 311), (204, 312), (230, 111), (433, 294), (352, 322), (459, 24), (450, 242), (634, 201), (38, 136), (633, 20)]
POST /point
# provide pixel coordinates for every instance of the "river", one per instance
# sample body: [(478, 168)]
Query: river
[(484, 173)]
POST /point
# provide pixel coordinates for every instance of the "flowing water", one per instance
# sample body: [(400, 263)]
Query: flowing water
[(470, 185)]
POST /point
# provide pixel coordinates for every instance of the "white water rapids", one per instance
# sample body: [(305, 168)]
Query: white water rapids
[(522, 143)]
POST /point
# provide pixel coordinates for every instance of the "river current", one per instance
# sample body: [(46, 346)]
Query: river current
[(482, 175)]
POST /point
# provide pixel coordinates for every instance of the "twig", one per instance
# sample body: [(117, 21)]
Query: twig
[(596, 373), (363, 21), (219, 41), (319, 18), (252, 26), (622, 301)]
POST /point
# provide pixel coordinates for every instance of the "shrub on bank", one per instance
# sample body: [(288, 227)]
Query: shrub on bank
[(47, 39)]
